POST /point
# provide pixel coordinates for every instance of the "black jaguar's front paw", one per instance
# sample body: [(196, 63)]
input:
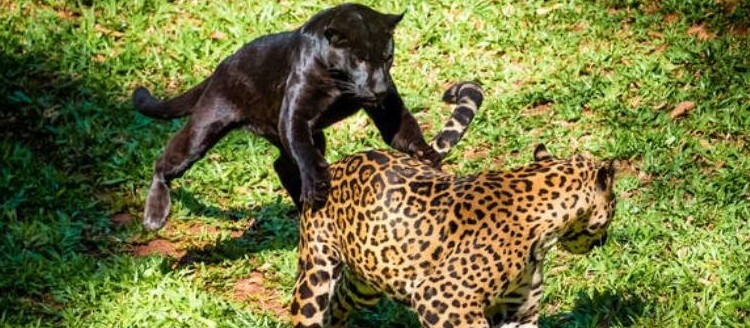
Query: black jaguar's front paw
[(315, 188), (429, 156)]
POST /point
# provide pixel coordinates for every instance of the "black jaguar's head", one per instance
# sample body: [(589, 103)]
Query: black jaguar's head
[(357, 49)]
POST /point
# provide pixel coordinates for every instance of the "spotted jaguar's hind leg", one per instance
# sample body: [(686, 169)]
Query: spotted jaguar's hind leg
[(350, 295)]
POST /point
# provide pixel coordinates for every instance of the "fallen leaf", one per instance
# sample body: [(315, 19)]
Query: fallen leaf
[(660, 48), (740, 30), (655, 35), (580, 27), (730, 6), (705, 144), (652, 7), (476, 152), (540, 109), (199, 228), (99, 58), (701, 32), (682, 109), (671, 18), (120, 219), (218, 36), (66, 14), (104, 30)]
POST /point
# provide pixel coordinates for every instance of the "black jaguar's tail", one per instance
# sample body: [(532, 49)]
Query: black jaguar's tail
[(467, 96), (179, 106)]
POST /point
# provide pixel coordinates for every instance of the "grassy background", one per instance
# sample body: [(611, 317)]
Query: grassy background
[(601, 77)]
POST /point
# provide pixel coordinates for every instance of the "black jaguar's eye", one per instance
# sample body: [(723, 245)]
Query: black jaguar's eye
[(388, 57)]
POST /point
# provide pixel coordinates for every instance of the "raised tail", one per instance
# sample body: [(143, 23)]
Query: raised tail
[(179, 106), (467, 96)]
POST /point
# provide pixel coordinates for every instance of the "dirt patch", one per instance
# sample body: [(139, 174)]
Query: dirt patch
[(251, 290), (157, 246)]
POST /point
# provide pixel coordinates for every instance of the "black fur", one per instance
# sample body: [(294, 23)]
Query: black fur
[(288, 87)]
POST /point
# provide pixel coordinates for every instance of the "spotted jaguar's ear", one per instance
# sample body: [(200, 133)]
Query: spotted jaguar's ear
[(393, 20), (541, 153), (334, 36), (605, 176)]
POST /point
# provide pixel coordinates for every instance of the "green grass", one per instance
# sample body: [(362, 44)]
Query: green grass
[(581, 76)]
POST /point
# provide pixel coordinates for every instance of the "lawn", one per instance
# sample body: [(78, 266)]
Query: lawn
[(662, 86)]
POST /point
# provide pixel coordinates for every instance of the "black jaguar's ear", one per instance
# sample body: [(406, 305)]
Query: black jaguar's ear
[(605, 176), (393, 20), (334, 37), (541, 153)]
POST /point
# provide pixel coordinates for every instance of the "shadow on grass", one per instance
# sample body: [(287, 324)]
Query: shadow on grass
[(58, 187), (73, 154), (196, 206), (275, 226), (608, 308)]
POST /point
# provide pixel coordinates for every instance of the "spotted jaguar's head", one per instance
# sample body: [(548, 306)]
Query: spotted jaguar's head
[(585, 226), (357, 49)]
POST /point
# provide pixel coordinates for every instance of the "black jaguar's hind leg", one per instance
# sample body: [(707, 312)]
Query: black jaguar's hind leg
[(289, 173), (211, 120)]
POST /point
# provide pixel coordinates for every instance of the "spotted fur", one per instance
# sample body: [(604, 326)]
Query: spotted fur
[(460, 251)]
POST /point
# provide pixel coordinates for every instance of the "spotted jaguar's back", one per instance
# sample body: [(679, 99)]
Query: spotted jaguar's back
[(461, 251)]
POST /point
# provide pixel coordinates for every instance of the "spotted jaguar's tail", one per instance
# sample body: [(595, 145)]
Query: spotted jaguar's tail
[(179, 106), (468, 97)]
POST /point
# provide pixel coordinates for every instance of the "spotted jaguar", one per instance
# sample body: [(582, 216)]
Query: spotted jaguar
[(461, 251)]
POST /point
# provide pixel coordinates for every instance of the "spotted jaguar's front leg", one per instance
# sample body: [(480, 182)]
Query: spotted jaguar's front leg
[(520, 308), (313, 292), (462, 307), (516, 312), (351, 294)]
